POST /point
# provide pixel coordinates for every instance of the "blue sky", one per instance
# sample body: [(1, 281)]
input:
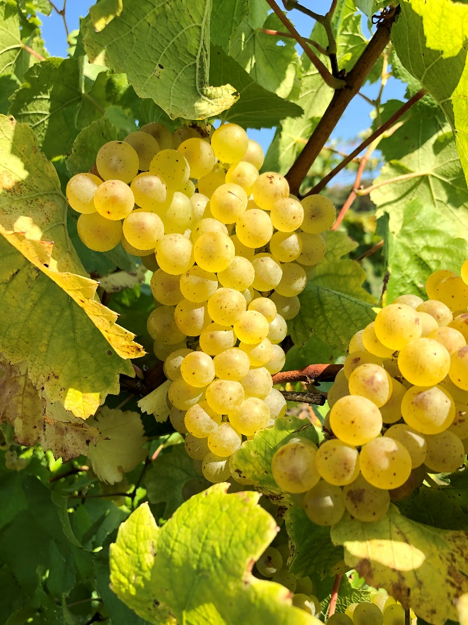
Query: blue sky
[(355, 119)]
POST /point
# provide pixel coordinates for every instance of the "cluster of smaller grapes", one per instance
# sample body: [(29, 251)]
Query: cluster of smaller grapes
[(382, 609), (231, 250), (398, 409)]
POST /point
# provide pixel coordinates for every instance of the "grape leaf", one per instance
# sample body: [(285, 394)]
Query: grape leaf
[(288, 142), (444, 508), (120, 446), (210, 529), (347, 594), (406, 558), (87, 144), (156, 402), (257, 107), (334, 305), (120, 280), (175, 67), (103, 12), (49, 315)]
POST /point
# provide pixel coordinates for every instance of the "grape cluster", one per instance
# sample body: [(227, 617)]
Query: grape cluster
[(382, 609), (398, 409), (231, 250)]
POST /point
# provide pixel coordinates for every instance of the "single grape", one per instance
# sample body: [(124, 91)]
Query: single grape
[(259, 353), (350, 609), (450, 337), (196, 448), (80, 192), (114, 200), (228, 203), (372, 344), (276, 404), (179, 214), (458, 394), (265, 306), (230, 143), (365, 502), (439, 311), (428, 410), (277, 330), (277, 359), (391, 411), (226, 306), (294, 466), (311, 605), (150, 192), (172, 166), (268, 273), (238, 275), (339, 619), (199, 155), (97, 233), (197, 369), (445, 452), (117, 160), (251, 327), (286, 579), (269, 562), (453, 292), (134, 251), (358, 358), (287, 215), (191, 318), (143, 229), (286, 246), (254, 154), (162, 327), (339, 389), (182, 134), (242, 174), (412, 440), (268, 189), (337, 462), (209, 183), (225, 396), (324, 504), (242, 250), (367, 613), (183, 396), (254, 228), (371, 381), (175, 254), (173, 362), (199, 202), (458, 368), (250, 417), (385, 463), (201, 420), (434, 280), (287, 307), (424, 362), (224, 441), (394, 615), (231, 364), (356, 344), (145, 145), (160, 133), (257, 383), (313, 249), (355, 420), (198, 285), (207, 224), (215, 469), (163, 351), (304, 584), (215, 339), (214, 251), (319, 214), (409, 300), (396, 325), (177, 419)]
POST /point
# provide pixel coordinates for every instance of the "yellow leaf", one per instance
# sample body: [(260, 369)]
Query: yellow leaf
[(156, 402)]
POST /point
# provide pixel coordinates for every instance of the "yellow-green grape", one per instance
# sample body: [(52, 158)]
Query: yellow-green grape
[(228, 203), (160, 133), (265, 306), (385, 463), (391, 411), (251, 327), (238, 275), (286, 579), (428, 410), (319, 214), (254, 154), (175, 254), (277, 330), (410, 300), (224, 396), (293, 281), (441, 313), (162, 351), (424, 362), (241, 250), (313, 249), (459, 366), (339, 388), (372, 344), (358, 358), (453, 292), (269, 188), (172, 167), (269, 562), (114, 200), (250, 417), (445, 452), (396, 325), (199, 155), (117, 160), (464, 272), (365, 502), (224, 441), (150, 192), (216, 338), (196, 448), (198, 285), (355, 420), (199, 202), (250, 295), (287, 215), (201, 420), (455, 391), (179, 214), (356, 344), (254, 228), (311, 605), (391, 365), (414, 442), (324, 504), (232, 364), (173, 362), (215, 469), (371, 381), (80, 192), (268, 273), (182, 134), (145, 145), (143, 229), (294, 466), (214, 251), (97, 233), (339, 619), (208, 224), (382, 600), (277, 359), (135, 251), (209, 183), (394, 615), (460, 422), (182, 395), (286, 246), (257, 383), (259, 354), (177, 419), (276, 404), (191, 317), (304, 584), (367, 613), (162, 326), (337, 462), (242, 174), (435, 279), (197, 369), (230, 143), (428, 324), (226, 306), (460, 323), (188, 189)]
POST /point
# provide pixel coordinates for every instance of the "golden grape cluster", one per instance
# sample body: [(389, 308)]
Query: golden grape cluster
[(231, 250), (398, 409)]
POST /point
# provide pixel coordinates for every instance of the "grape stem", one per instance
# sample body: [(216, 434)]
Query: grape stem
[(279, 33), (334, 595), (305, 398), (371, 251), (407, 616), (309, 374)]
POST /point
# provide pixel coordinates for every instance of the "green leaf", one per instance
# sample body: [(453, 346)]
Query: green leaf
[(169, 474), (8, 85), (210, 528), (257, 107), (370, 7), (55, 102), (438, 507), (11, 493), (313, 352), (334, 304), (149, 111), (288, 143), (406, 558), (174, 71), (73, 346), (87, 144), (103, 12), (347, 594)]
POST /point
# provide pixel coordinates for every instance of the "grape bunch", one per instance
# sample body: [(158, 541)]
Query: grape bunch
[(398, 409), (230, 249), (382, 609)]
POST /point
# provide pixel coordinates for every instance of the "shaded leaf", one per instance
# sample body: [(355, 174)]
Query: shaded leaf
[(87, 144), (104, 11)]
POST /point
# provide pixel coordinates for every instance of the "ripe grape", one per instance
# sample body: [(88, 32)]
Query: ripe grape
[(277, 330), (173, 362), (276, 404), (269, 562), (445, 452), (254, 154), (228, 203), (268, 189), (265, 306), (339, 619), (458, 368), (394, 615), (391, 411), (162, 326), (286, 579), (371, 381), (226, 306), (201, 420), (385, 463), (134, 251), (428, 410), (196, 448), (396, 325), (251, 327), (259, 353), (178, 216), (224, 441), (214, 251), (372, 344), (414, 442), (143, 229), (199, 155), (324, 504), (97, 233), (198, 285), (441, 313), (224, 396), (337, 462), (177, 419), (434, 280), (231, 364), (257, 383), (250, 417), (319, 214), (424, 362), (355, 420), (313, 249), (277, 359), (367, 613), (242, 250), (358, 358), (460, 323), (207, 224), (453, 292), (268, 273), (145, 145), (243, 174), (117, 160), (197, 369), (150, 192), (80, 192), (199, 202), (449, 337), (182, 134), (230, 143), (215, 338), (209, 183), (459, 425), (238, 275), (114, 200), (366, 502), (294, 466), (191, 317), (175, 254), (160, 133), (183, 396), (410, 300), (172, 167), (285, 246), (339, 388), (287, 307), (356, 344), (287, 215), (254, 228), (215, 469), (311, 605)]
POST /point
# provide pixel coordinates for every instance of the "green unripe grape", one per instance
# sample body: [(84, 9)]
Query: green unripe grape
[(224, 441), (215, 469), (80, 192), (230, 143), (199, 155), (311, 605), (242, 174), (160, 133), (367, 613), (339, 619), (173, 362), (324, 504), (214, 251), (232, 364), (145, 146), (254, 154), (114, 200), (162, 326), (304, 584), (143, 229), (117, 160), (270, 562), (191, 318), (350, 609), (239, 275), (319, 214), (286, 579), (250, 417), (172, 167), (97, 233), (269, 188), (166, 288), (254, 228), (175, 254), (293, 281), (224, 396), (294, 466), (201, 420)]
